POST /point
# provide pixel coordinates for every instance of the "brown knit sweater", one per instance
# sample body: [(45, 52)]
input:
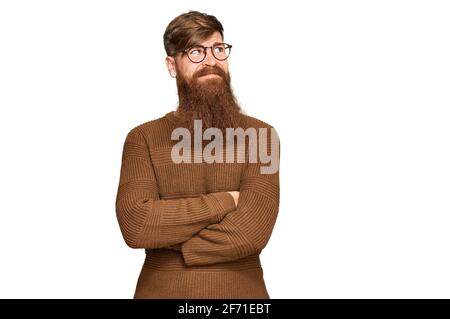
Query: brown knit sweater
[(198, 244)]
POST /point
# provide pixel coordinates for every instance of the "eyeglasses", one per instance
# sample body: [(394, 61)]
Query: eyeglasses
[(197, 53)]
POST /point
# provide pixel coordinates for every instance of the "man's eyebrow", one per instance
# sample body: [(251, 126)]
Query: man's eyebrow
[(201, 45)]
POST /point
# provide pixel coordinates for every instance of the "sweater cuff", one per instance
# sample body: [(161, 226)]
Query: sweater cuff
[(219, 204)]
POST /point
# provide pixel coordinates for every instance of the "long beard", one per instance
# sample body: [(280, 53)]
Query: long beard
[(210, 100)]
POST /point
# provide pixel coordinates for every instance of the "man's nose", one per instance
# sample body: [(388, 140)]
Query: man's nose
[(209, 58)]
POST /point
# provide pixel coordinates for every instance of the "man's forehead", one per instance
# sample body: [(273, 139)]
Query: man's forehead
[(213, 39)]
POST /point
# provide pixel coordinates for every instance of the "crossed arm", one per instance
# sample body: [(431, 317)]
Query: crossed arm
[(145, 220), (206, 229)]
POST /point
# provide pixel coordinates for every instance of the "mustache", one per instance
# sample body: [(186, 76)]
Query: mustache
[(210, 70)]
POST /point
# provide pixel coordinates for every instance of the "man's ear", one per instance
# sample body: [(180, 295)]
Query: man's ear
[(170, 63)]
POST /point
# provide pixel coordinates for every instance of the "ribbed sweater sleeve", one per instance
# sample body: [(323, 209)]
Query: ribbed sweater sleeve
[(145, 220), (246, 230)]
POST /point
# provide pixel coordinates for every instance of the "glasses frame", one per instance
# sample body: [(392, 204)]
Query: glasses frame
[(205, 50)]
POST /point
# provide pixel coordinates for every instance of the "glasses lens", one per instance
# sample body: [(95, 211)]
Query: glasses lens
[(221, 51), (196, 54)]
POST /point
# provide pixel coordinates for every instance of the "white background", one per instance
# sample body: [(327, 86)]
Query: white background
[(357, 90)]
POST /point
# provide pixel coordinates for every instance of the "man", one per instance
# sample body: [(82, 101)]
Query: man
[(203, 224)]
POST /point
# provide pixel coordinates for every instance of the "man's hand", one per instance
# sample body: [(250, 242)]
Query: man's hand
[(235, 195)]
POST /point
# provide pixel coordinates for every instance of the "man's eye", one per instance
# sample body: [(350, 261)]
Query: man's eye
[(196, 52), (219, 49)]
